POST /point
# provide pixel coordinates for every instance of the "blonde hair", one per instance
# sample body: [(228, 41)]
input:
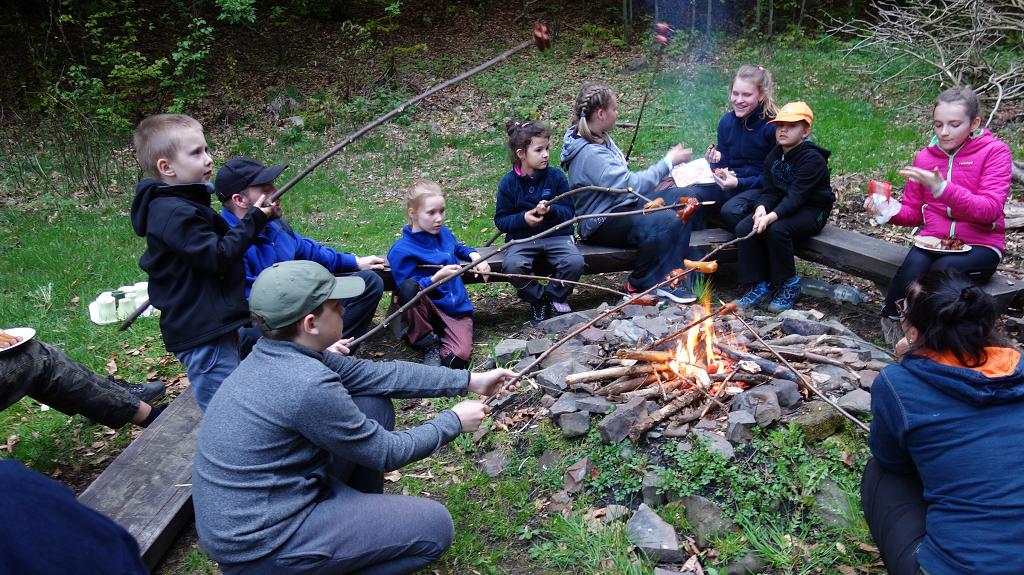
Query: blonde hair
[(158, 136), (420, 190), (761, 78), (593, 96)]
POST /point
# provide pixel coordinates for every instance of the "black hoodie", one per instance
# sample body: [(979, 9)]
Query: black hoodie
[(795, 179), (194, 260)]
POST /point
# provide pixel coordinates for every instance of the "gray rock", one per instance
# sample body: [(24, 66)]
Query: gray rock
[(628, 331), (566, 352), (840, 329), (741, 427), (563, 322), (769, 328), (805, 327), (835, 372), (660, 571), (749, 564), (509, 350), (552, 379), (560, 501), (677, 430), (587, 388), (522, 364), (283, 103), (656, 326), (799, 314), (709, 424), (538, 346), (579, 367), (595, 404), (295, 121), (867, 378), (576, 474), (549, 458), (574, 424), (547, 401), (832, 504), (786, 392), (762, 403), (615, 426), (593, 335), (494, 463), (820, 420), (565, 404), (655, 537), (634, 310), (614, 513), (857, 402), (706, 518), (633, 66), (651, 489), (715, 443)]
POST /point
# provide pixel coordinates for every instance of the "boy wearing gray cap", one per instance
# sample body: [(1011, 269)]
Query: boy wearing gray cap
[(288, 475)]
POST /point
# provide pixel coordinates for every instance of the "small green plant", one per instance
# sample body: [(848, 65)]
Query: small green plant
[(620, 468), (575, 545)]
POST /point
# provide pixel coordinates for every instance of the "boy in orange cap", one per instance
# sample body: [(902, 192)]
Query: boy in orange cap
[(795, 204)]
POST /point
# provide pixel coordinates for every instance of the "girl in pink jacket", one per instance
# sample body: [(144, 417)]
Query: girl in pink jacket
[(956, 189)]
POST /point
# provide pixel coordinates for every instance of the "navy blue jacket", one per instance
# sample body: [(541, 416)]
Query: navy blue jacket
[(796, 179), (518, 194), (744, 144), (961, 430), (279, 243), (415, 249), (194, 261), (44, 529)]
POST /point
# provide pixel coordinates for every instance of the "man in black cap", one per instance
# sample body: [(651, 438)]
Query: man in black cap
[(240, 182)]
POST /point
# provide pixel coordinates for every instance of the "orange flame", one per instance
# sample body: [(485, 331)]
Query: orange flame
[(695, 353)]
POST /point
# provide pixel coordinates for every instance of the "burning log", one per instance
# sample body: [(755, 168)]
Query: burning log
[(673, 407), (740, 377), (644, 355), (610, 372), (626, 385), (767, 367)]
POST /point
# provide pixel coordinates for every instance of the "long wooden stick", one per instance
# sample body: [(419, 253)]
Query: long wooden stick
[(420, 294), (803, 380), (353, 136), (547, 278), (647, 93)]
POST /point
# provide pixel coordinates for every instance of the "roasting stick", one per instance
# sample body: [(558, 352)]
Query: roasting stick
[(718, 393), (548, 278), (726, 309), (465, 267), (802, 379), (611, 310), (541, 38)]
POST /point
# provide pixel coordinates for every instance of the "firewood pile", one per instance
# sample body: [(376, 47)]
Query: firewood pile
[(645, 376)]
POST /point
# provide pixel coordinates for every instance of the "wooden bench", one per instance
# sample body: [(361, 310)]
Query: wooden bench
[(148, 488)]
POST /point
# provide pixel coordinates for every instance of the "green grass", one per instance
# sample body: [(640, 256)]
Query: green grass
[(58, 253)]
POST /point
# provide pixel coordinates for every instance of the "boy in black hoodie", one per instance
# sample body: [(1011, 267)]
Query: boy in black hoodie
[(795, 204), (193, 257)]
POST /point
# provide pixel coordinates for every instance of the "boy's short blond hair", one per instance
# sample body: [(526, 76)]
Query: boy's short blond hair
[(157, 137)]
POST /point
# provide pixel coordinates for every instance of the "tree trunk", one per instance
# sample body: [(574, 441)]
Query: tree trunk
[(625, 21), (757, 17), (693, 16), (800, 16), (707, 25), (771, 18)]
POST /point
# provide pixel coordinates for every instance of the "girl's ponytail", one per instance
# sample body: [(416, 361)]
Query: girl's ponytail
[(593, 96)]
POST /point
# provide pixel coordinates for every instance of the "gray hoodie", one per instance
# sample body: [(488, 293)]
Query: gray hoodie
[(603, 165)]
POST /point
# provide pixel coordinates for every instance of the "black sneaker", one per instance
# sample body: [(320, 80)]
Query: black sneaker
[(433, 356), (148, 392), (538, 311)]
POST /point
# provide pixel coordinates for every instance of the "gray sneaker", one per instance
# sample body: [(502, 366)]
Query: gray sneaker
[(892, 331), (433, 356)]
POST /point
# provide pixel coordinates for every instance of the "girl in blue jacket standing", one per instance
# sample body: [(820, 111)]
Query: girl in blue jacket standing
[(442, 324), (745, 137), (945, 490), (523, 209)]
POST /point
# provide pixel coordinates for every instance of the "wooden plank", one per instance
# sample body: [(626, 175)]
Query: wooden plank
[(877, 260), (147, 489)]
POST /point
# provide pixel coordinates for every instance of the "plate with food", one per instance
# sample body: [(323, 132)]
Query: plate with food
[(25, 333), (941, 245)]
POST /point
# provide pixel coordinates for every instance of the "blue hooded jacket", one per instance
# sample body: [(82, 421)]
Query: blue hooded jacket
[(518, 194), (279, 243), (961, 430), (415, 249), (744, 144)]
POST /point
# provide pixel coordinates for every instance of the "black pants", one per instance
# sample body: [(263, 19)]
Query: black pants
[(357, 318), (979, 264), (768, 256), (661, 238), (729, 208), (895, 512)]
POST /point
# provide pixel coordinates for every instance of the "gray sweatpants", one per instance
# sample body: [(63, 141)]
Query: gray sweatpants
[(553, 252), (358, 529), (45, 374)]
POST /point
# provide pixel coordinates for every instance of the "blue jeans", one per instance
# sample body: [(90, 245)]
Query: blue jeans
[(210, 364)]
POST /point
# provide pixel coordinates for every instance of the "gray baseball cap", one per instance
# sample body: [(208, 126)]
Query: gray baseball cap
[(286, 291)]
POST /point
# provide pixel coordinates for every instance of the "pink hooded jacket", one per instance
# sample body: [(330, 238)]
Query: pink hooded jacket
[(971, 205)]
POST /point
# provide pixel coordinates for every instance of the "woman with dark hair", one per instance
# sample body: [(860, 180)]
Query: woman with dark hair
[(944, 493)]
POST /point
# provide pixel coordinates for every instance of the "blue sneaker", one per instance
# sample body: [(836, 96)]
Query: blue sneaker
[(755, 297), (678, 294), (786, 297)]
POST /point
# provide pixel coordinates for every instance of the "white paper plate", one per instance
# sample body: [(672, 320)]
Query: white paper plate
[(932, 244), (25, 333)]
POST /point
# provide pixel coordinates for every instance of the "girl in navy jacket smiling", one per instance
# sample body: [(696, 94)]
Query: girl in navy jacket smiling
[(442, 324)]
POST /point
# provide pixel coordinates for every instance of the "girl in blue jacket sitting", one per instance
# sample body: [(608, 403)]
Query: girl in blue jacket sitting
[(442, 324), (523, 210), (745, 137), (944, 493)]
